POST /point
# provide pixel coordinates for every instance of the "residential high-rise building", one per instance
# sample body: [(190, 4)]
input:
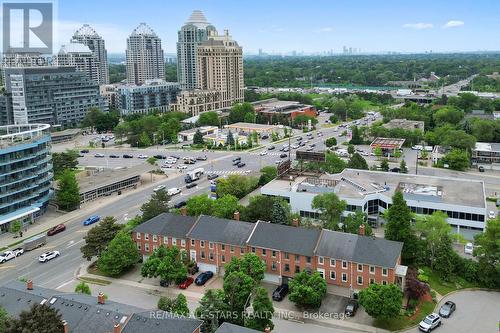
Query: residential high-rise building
[(144, 56), (51, 95), (152, 95), (81, 57), (220, 68), (195, 31), (88, 36)]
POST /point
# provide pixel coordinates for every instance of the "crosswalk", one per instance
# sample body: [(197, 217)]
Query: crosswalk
[(278, 153), (228, 172)]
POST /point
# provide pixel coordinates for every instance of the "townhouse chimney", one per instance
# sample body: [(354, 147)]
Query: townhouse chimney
[(101, 299), (295, 222), (65, 326), (236, 216), (29, 284), (361, 230), (117, 328), (267, 329), (184, 211)]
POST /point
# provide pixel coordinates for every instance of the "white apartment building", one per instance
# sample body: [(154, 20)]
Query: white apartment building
[(79, 56), (87, 36)]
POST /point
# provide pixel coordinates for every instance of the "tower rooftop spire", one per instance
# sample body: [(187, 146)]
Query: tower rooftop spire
[(198, 19)]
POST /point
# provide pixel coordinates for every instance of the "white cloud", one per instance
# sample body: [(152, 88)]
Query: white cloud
[(418, 26), (453, 24), (325, 29)]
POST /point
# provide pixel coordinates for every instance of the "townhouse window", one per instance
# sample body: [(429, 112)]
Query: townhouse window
[(211, 256), (287, 267), (273, 266), (344, 277), (146, 236), (372, 280), (223, 258), (155, 238), (273, 254), (202, 255), (286, 255), (297, 258), (139, 246), (138, 235), (321, 260), (372, 269), (183, 242), (202, 243), (333, 275), (242, 250), (253, 249), (264, 252), (333, 262), (297, 269), (308, 259), (223, 247), (146, 247), (360, 280), (384, 283), (174, 241), (384, 271), (192, 242), (165, 240), (360, 267), (344, 264), (210, 245), (155, 247), (231, 249)]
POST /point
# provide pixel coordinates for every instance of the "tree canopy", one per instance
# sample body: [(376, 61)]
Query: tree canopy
[(307, 289), (98, 238), (330, 208), (165, 263), (120, 255), (381, 301), (68, 192)]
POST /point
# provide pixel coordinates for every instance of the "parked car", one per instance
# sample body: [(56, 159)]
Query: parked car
[(203, 278), (6, 256), (283, 155), (468, 248), (142, 156), (44, 257), (84, 151), (173, 191), (271, 148), (264, 137), (160, 157), (395, 170), (55, 230), (191, 185), (114, 156), (211, 176), (263, 153), (91, 220), (182, 167), (175, 156), (180, 204), (159, 188), (201, 158), (430, 322), (236, 159), (481, 168), (186, 283), (164, 283), (240, 165), (491, 215), (351, 307), (447, 309), (127, 156), (280, 292), (99, 155)]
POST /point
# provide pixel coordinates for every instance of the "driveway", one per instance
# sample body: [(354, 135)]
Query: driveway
[(477, 311)]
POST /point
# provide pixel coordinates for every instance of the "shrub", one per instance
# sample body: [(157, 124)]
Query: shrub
[(423, 278)]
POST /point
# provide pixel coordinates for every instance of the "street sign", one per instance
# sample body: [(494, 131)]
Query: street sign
[(310, 156)]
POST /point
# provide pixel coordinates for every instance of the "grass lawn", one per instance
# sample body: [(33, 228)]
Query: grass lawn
[(404, 321), (445, 287), (92, 280)]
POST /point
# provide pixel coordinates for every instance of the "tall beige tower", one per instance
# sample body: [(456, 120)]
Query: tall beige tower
[(220, 68)]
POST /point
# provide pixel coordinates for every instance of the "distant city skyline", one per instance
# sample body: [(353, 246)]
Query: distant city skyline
[(317, 27)]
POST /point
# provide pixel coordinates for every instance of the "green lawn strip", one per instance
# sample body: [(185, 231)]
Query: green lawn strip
[(445, 287), (92, 280), (403, 321)]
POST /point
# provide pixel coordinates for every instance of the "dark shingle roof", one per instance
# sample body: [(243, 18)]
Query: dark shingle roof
[(231, 328), (285, 238), (163, 323), (360, 249), (15, 298), (169, 224), (219, 230)]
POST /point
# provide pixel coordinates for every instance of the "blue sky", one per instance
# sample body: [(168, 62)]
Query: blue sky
[(311, 26)]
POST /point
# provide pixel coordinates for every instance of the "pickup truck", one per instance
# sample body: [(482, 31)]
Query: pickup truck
[(11, 254)]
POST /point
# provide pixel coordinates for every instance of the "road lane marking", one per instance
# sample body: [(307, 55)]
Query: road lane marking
[(7, 266), (73, 243), (64, 284)]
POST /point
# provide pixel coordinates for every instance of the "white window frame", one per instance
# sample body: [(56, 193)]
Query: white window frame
[(165, 240), (139, 246), (155, 238), (344, 275), (146, 247), (274, 266), (334, 262), (211, 245), (321, 260), (231, 248), (202, 243), (357, 280), (334, 274), (372, 269), (273, 253), (223, 247), (344, 264), (211, 256), (360, 270), (183, 242), (264, 252), (146, 236), (138, 235), (192, 242), (174, 241), (386, 271), (321, 272)]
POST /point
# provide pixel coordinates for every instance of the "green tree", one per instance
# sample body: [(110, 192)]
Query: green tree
[(237, 288), (67, 160), (307, 289), (356, 138), (98, 238), (239, 111), (15, 226), (209, 118), (263, 311), (225, 206), (249, 117), (381, 301), (280, 213), (157, 205), (267, 174), (83, 288), (39, 318), (378, 151), (144, 140), (398, 227), (488, 253), (120, 255), (176, 306), (211, 310), (152, 160), (330, 208), (330, 142), (457, 160), (200, 204), (448, 115), (350, 149), (198, 138), (357, 162), (250, 264), (352, 223), (165, 263), (237, 185), (433, 229), (384, 165), (4, 317), (68, 193), (402, 167), (259, 208), (445, 258), (230, 139)]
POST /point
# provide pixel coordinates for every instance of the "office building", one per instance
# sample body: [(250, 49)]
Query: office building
[(88, 36), (51, 95), (144, 56), (152, 95), (220, 68), (195, 31), (25, 173), (486, 155), (23, 59), (81, 57), (371, 192), (5, 110)]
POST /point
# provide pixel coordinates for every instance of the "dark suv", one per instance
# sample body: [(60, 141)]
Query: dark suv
[(203, 278), (280, 292)]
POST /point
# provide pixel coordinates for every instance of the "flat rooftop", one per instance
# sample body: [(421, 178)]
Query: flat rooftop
[(111, 176), (405, 124), (357, 184), (69, 131), (202, 129), (387, 143), (487, 146), (251, 126)]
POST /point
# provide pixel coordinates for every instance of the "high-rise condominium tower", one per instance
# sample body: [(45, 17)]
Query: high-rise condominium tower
[(144, 56), (86, 35), (220, 68), (79, 56), (195, 31)]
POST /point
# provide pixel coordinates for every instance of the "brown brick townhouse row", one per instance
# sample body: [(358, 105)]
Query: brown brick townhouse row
[(343, 259)]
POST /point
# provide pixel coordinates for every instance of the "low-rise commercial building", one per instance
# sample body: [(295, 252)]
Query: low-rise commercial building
[(344, 260), (25, 173), (251, 127), (152, 95), (188, 135), (405, 124), (388, 145), (283, 111), (65, 135), (487, 155), (220, 138), (371, 192)]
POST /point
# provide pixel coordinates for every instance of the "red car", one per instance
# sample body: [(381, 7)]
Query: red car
[(186, 283), (57, 229)]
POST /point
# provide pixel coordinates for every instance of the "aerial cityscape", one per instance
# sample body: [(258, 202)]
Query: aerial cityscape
[(236, 167)]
